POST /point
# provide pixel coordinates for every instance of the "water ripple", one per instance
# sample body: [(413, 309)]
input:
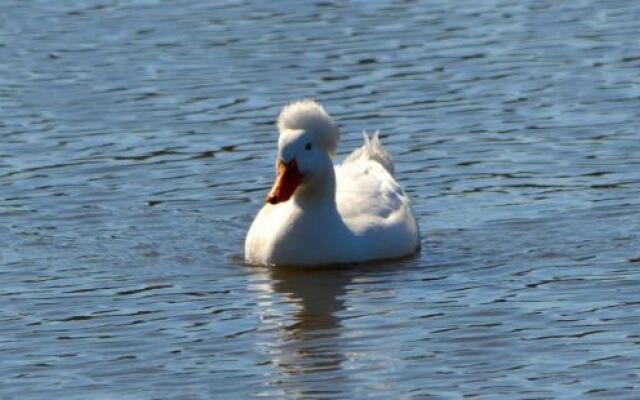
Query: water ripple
[(137, 141)]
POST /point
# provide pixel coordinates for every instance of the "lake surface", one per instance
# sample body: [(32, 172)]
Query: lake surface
[(137, 142)]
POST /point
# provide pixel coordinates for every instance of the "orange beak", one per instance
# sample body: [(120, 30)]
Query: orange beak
[(288, 177)]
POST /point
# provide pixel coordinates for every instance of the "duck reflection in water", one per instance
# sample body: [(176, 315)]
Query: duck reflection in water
[(309, 340)]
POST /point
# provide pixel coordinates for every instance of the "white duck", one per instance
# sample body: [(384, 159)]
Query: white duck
[(317, 213)]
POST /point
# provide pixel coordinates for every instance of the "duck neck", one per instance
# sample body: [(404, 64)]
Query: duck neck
[(319, 190)]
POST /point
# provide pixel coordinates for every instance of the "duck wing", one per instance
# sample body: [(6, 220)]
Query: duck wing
[(367, 194)]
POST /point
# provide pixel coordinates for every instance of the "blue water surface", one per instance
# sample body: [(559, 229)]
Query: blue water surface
[(137, 142)]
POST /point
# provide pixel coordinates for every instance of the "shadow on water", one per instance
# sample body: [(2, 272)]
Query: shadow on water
[(309, 338), (319, 293), (309, 349)]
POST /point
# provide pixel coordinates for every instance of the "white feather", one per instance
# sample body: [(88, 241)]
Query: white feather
[(372, 149), (307, 115)]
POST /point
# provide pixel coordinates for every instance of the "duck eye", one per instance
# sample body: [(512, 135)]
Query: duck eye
[(308, 146)]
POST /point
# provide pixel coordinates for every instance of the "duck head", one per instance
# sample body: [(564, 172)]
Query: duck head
[(307, 143)]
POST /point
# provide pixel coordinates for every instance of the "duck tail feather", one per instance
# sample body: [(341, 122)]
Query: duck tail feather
[(376, 151), (372, 149)]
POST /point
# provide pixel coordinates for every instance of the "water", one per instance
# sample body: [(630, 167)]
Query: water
[(137, 141)]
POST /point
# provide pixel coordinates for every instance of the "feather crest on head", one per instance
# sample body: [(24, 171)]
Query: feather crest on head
[(309, 116)]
